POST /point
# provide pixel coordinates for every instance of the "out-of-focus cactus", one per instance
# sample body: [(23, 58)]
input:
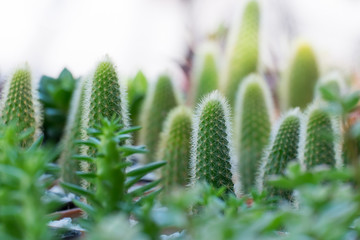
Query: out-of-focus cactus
[(298, 86), (20, 104), (212, 155), (283, 148), (321, 141), (174, 147), (334, 83), (160, 99), (254, 114), (243, 52)]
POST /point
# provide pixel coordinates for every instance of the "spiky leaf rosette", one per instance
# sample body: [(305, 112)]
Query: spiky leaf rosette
[(297, 88), (283, 148), (253, 118), (243, 52), (174, 147), (212, 156), (73, 131), (321, 141), (20, 104), (159, 101)]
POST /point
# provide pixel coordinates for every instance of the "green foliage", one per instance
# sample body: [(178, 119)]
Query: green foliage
[(283, 148), (253, 117), (174, 147), (244, 53), (212, 156), (159, 101), (298, 86), (55, 94)]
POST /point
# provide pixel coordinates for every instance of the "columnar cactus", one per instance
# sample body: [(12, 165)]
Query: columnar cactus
[(283, 148), (174, 147), (20, 104), (254, 114), (244, 50), (321, 141), (298, 86), (159, 101), (212, 155)]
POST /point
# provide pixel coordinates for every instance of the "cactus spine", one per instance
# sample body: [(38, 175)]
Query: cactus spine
[(298, 86), (212, 155), (283, 148), (253, 118), (321, 141), (243, 52), (174, 147), (159, 101), (20, 104)]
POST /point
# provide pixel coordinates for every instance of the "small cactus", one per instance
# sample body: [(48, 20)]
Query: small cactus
[(334, 82), (174, 147), (283, 148), (321, 141), (20, 104), (244, 51), (298, 86), (159, 101), (212, 156), (253, 118)]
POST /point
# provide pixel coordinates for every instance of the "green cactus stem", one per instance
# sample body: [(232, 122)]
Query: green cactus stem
[(212, 155), (283, 148), (334, 83), (254, 114)]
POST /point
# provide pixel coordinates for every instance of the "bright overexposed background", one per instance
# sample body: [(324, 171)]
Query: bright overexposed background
[(153, 35)]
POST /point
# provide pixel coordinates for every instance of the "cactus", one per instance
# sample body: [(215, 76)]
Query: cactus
[(253, 118), (174, 147), (159, 101), (205, 77), (73, 131), (212, 155), (20, 104), (298, 86), (334, 82), (321, 141), (243, 52), (283, 148)]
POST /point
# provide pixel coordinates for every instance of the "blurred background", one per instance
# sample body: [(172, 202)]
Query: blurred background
[(158, 35)]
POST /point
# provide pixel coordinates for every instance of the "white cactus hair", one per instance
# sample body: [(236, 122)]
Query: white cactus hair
[(336, 128), (214, 96), (296, 112)]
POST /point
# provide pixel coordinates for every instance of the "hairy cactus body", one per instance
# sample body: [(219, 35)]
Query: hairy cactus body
[(20, 104), (174, 147), (297, 88), (212, 156), (243, 52), (320, 139), (283, 148), (159, 101), (253, 119)]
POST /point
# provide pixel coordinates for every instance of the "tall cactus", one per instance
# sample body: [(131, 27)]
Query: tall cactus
[(174, 147), (298, 86), (212, 155), (253, 118), (283, 148), (20, 104), (159, 101), (244, 50), (321, 141)]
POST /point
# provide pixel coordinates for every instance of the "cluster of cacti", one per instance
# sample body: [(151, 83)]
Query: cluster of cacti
[(243, 51), (174, 147), (19, 104), (254, 114), (160, 99)]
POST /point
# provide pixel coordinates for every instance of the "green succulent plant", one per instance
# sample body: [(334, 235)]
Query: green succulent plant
[(212, 154), (243, 51), (254, 114), (160, 99)]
